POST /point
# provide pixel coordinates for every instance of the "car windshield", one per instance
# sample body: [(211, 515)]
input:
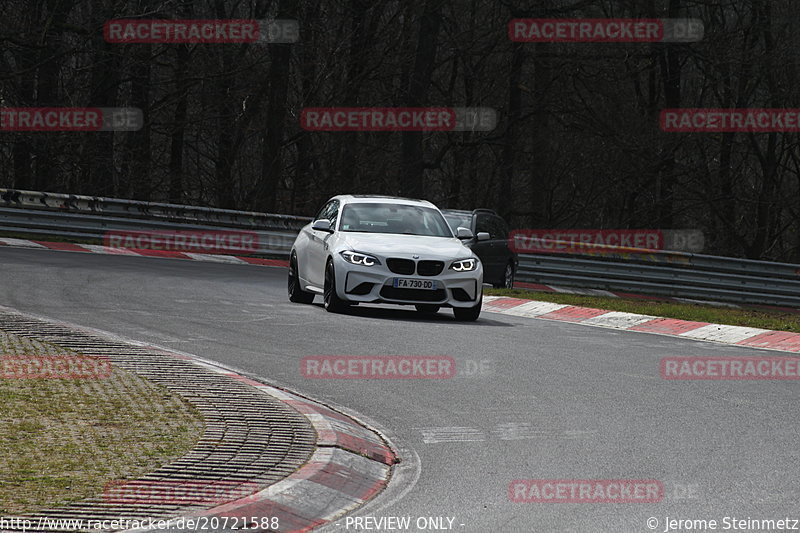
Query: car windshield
[(457, 221), (394, 218)]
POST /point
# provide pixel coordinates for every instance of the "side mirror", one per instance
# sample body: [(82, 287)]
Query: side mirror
[(464, 233), (322, 225), (483, 236)]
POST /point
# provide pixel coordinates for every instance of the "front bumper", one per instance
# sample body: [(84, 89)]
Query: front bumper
[(355, 283)]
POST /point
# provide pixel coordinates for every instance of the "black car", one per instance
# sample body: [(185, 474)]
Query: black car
[(489, 242)]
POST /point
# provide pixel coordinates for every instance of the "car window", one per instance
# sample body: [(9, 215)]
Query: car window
[(394, 218), (458, 220), (333, 212), (482, 224), (322, 212), (497, 228)]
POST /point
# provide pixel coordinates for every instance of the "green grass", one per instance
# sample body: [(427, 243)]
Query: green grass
[(63, 440), (758, 318)]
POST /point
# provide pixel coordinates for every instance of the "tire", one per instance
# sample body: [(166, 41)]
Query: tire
[(333, 304), (508, 278), (296, 293), (468, 314), (428, 309)]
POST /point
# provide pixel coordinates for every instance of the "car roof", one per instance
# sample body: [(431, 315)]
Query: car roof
[(369, 198)]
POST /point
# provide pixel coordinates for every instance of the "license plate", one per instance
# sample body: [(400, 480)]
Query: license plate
[(409, 283)]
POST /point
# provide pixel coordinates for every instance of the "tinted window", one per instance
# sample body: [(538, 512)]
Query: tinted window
[(497, 228), (458, 220), (482, 224)]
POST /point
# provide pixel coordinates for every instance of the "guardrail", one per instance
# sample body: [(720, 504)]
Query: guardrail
[(89, 217), (675, 274), (650, 272)]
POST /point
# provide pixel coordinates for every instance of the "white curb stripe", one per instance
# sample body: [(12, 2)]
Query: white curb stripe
[(215, 258), (722, 333), (619, 320), (21, 242), (99, 249), (534, 309)]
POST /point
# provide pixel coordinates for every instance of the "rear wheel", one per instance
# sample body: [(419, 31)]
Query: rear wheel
[(468, 314), (333, 304), (296, 293), (428, 309), (508, 278)]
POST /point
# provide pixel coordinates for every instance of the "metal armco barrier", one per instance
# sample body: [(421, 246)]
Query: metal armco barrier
[(88, 217), (657, 273), (676, 274)]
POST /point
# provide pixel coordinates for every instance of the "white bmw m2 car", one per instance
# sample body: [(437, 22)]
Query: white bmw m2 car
[(381, 249)]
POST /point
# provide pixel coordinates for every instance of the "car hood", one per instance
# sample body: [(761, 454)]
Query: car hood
[(404, 245)]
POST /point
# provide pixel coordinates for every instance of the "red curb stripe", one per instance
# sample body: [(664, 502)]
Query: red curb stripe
[(506, 303), (67, 246), (574, 314), (259, 261), (671, 326), (376, 452), (779, 340), (159, 253)]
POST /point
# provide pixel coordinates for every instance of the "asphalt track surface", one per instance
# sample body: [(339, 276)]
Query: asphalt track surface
[(556, 400)]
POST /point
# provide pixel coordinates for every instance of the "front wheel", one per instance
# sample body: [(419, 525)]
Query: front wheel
[(333, 304), (296, 293), (468, 314)]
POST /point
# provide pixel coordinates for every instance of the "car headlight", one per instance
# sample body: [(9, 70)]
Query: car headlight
[(360, 259), (464, 265)]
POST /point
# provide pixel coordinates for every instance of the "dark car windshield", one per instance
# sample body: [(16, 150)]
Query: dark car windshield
[(458, 221), (394, 218)]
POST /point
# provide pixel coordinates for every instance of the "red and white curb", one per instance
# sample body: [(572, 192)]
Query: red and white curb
[(350, 466), (737, 335), (108, 250)]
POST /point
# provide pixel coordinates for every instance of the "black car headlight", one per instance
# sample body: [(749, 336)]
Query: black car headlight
[(357, 258), (464, 265)]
